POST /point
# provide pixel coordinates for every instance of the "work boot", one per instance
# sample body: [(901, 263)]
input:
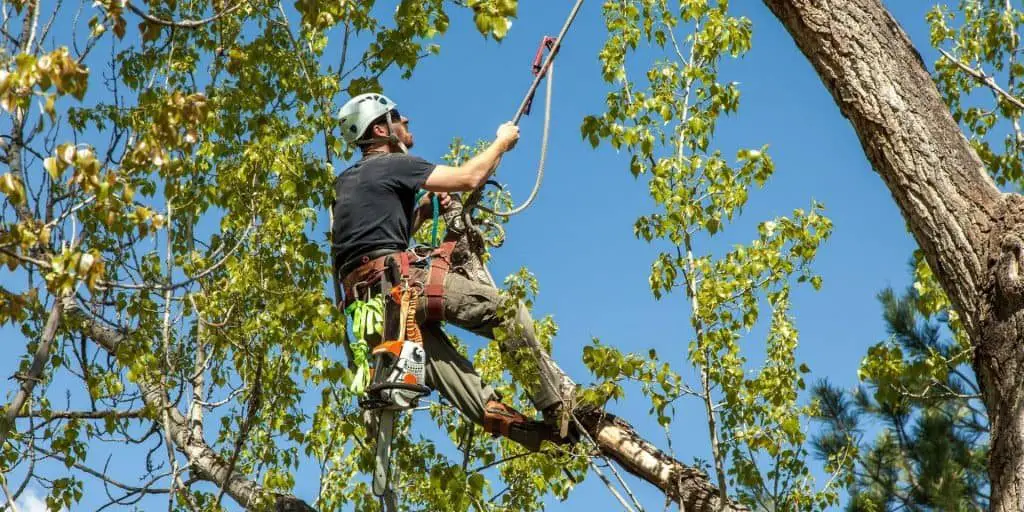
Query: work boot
[(560, 415), (500, 419)]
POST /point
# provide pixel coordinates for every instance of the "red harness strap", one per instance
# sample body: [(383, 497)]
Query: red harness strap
[(440, 263)]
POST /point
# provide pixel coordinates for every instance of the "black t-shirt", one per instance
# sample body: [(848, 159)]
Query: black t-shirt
[(374, 203)]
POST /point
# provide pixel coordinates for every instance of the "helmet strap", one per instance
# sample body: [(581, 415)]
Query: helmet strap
[(394, 138), (391, 139)]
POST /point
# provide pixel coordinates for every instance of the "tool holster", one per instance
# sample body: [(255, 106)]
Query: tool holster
[(398, 363)]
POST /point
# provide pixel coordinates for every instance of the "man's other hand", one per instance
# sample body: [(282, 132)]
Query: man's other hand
[(444, 200)]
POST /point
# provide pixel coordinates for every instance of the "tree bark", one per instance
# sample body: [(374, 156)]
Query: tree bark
[(690, 487), (970, 232)]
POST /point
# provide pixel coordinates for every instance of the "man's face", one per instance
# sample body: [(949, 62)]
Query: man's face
[(400, 124)]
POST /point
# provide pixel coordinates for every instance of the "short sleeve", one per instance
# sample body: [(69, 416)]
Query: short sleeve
[(410, 172)]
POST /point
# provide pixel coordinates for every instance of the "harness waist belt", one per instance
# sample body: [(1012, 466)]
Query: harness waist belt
[(354, 263), (368, 267)]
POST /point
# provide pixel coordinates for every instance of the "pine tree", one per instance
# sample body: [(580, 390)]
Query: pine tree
[(914, 433)]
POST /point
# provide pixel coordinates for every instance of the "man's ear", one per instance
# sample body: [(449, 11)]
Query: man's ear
[(379, 130)]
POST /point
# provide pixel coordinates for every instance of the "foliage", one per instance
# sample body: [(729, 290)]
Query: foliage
[(981, 41), (666, 121), (170, 200)]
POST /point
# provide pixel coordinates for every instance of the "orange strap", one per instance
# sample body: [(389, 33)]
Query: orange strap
[(412, 329)]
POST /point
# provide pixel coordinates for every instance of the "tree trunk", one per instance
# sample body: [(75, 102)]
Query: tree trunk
[(969, 231)]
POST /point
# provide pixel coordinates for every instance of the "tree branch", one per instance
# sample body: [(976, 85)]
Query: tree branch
[(980, 76), (28, 382), (184, 23), (83, 415)]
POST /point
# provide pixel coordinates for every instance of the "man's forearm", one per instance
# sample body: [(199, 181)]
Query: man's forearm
[(483, 164)]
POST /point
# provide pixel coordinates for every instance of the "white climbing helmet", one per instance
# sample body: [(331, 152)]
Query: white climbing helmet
[(361, 111)]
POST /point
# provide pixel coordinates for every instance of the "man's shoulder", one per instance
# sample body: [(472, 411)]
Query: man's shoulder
[(388, 161), (402, 159)]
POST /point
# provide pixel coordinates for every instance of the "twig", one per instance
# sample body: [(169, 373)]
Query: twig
[(49, 23), (195, 413), (618, 477), (230, 397), (218, 264), (7, 492), (30, 473), (8, 35), (502, 461), (255, 402), (608, 484), (102, 476), (167, 359)]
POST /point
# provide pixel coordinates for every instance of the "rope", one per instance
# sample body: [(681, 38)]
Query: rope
[(436, 204), (545, 69), (437, 214), (547, 63), (543, 153)]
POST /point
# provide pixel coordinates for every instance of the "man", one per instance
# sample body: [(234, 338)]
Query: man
[(374, 213)]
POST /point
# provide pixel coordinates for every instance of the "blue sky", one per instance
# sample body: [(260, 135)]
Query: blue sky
[(578, 237)]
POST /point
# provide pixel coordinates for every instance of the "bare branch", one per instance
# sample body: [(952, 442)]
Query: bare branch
[(102, 476), (28, 27), (83, 415), (28, 382), (255, 402), (8, 35), (49, 22), (7, 493), (985, 79), (195, 413), (205, 463), (184, 23), (218, 264)]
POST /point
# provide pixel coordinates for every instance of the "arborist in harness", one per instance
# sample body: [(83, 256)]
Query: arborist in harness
[(375, 214)]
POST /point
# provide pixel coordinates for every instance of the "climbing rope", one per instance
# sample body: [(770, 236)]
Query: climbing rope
[(543, 154), (544, 71)]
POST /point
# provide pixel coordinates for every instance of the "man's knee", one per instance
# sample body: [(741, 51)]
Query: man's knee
[(471, 305)]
